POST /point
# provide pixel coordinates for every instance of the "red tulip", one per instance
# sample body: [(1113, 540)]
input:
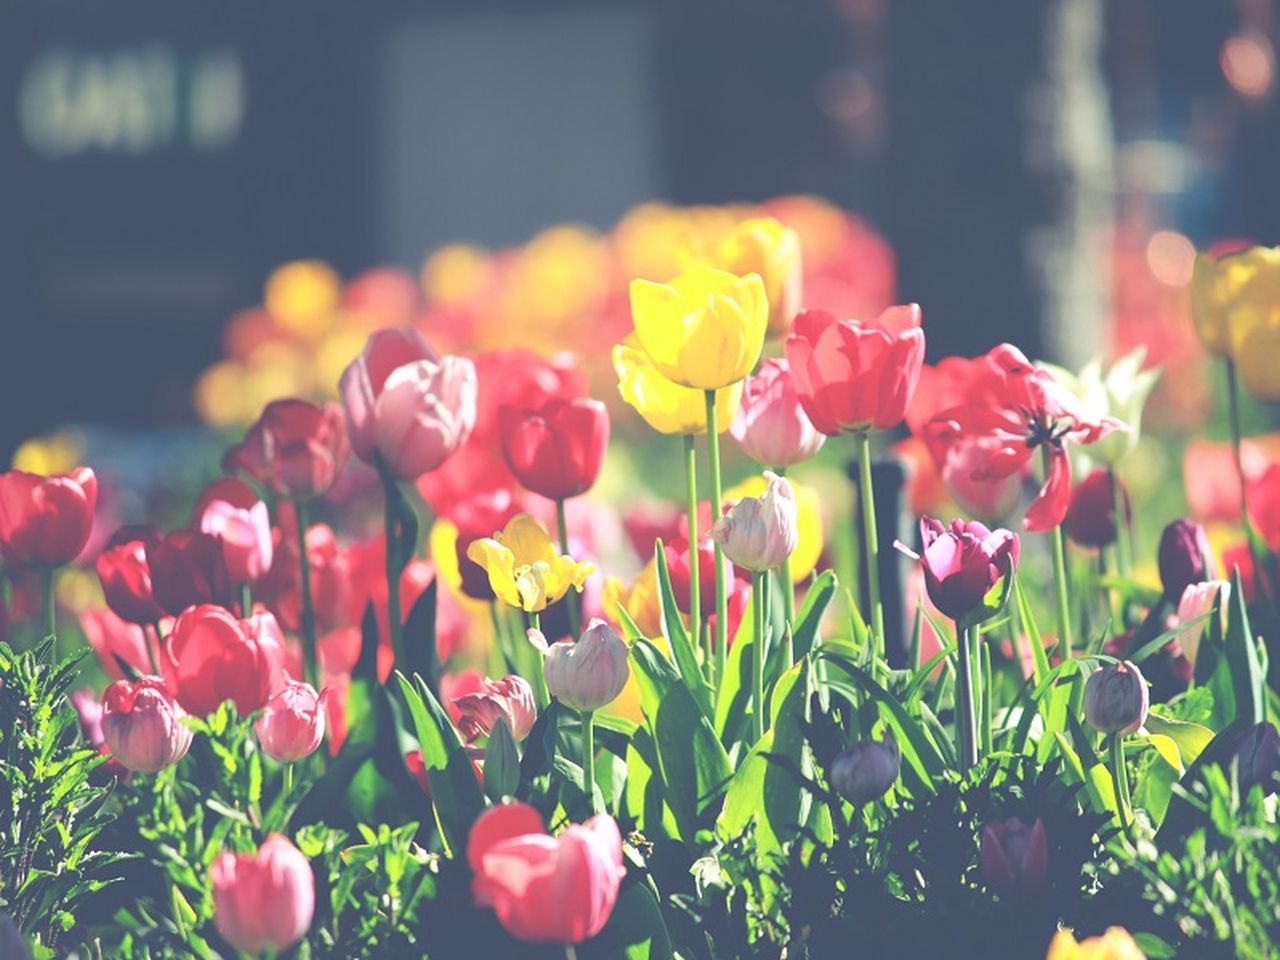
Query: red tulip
[(45, 521), (296, 449), (245, 535), (509, 699), (281, 591), (963, 563), (678, 564), (1091, 517), (112, 638), (263, 900), (1014, 856), (292, 722), (557, 449), (1025, 410), (142, 725), (545, 889), (209, 656), (856, 376), (520, 379), (188, 568), (474, 471), (125, 575)]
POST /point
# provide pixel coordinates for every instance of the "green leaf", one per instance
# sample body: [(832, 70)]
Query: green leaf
[(809, 616), (501, 763), (686, 658), (1191, 738), (734, 689), (635, 930), (1247, 676), (402, 537), (421, 656)]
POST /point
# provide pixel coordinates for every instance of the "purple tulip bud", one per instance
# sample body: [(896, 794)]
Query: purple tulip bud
[(1014, 856), (1116, 698), (866, 770), (1184, 557), (1257, 757)]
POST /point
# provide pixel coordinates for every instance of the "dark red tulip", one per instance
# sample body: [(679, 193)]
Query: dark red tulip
[(1091, 517), (188, 568), (556, 450), (963, 563), (125, 575), (45, 521), (1184, 557), (296, 449)]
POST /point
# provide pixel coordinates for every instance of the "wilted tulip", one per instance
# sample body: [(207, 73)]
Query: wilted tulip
[(292, 722), (45, 521), (590, 673), (771, 426), (125, 575), (209, 656), (142, 725), (963, 563), (557, 449), (509, 699), (1014, 856), (245, 536), (1116, 698), (1257, 757), (866, 770), (265, 900), (296, 449), (188, 568), (1184, 557), (759, 533), (523, 873)]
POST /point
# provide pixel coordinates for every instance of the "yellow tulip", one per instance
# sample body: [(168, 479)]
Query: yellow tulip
[(1115, 944), (640, 602), (764, 246), (1253, 317), (705, 329), (667, 406), (1230, 294), (524, 568), (808, 551)]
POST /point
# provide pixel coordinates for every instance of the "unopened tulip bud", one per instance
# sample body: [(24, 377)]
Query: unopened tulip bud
[(292, 722), (1184, 557), (1116, 698), (142, 725), (866, 770), (590, 673), (1014, 855), (245, 535), (509, 699), (265, 900), (1257, 757), (1197, 600), (759, 533), (1091, 518)]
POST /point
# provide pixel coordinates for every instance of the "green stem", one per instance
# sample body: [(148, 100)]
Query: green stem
[(759, 583), (394, 567), (722, 598), (691, 518), (966, 720), (246, 600), (986, 689), (589, 757), (535, 620), (789, 655), (1233, 414), (787, 580), (871, 544), (1059, 549), (51, 608), (287, 787), (1120, 779), (308, 610), (571, 597), (1124, 545)]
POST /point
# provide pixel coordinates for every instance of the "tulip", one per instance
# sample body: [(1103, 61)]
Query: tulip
[(664, 404), (188, 568), (587, 674), (292, 722), (524, 568), (961, 565), (705, 329), (230, 490), (1257, 757), (766, 247), (142, 725), (1091, 518), (678, 568), (245, 536), (1232, 297), (759, 533), (265, 900), (854, 376), (45, 521), (1183, 557), (88, 708), (406, 405), (209, 656), (545, 889), (1115, 944), (1014, 856), (114, 640), (1119, 393), (296, 449), (1197, 600), (1116, 698), (556, 450), (771, 426), (125, 575), (865, 771), (509, 699)]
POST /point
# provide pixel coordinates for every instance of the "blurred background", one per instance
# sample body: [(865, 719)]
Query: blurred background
[(1038, 170)]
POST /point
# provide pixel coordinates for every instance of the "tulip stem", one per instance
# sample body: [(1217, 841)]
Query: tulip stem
[(246, 600), (759, 583), (394, 565), (308, 610), (691, 518), (1120, 780), (51, 609), (287, 787), (1233, 414), (871, 546), (966, 718), (570, 597), (788, 581), (589, 757), (1059, 550), (722, 600)]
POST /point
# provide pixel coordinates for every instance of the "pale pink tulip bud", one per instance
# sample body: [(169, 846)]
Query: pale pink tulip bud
[(590, 673), (245, 536), (265, 900), (1014, 856), (770, 426), (142, 725), (760, 532), (865, 771), (1197, 600), (510, 699), (292, 722), (1116, 698)]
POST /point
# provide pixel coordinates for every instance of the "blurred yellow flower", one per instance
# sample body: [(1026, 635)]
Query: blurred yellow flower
[(303, 296), (764, 246), (705, 329), (1253, 318), (456, 273), (1115, 944), (808, 551), (666, 406), (524, 568), (640, 602), (54, 453)]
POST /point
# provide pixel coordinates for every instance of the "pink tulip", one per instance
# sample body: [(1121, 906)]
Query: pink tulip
[(88, 710), (1014, 855), (964, 562), (292, 722), (545, 889), (245, 536), (407, 405), (142, 725), (112, 638), (771, 426), (263, 900), (1197, 600), (588, 674), (509, 699), (759, 533)]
